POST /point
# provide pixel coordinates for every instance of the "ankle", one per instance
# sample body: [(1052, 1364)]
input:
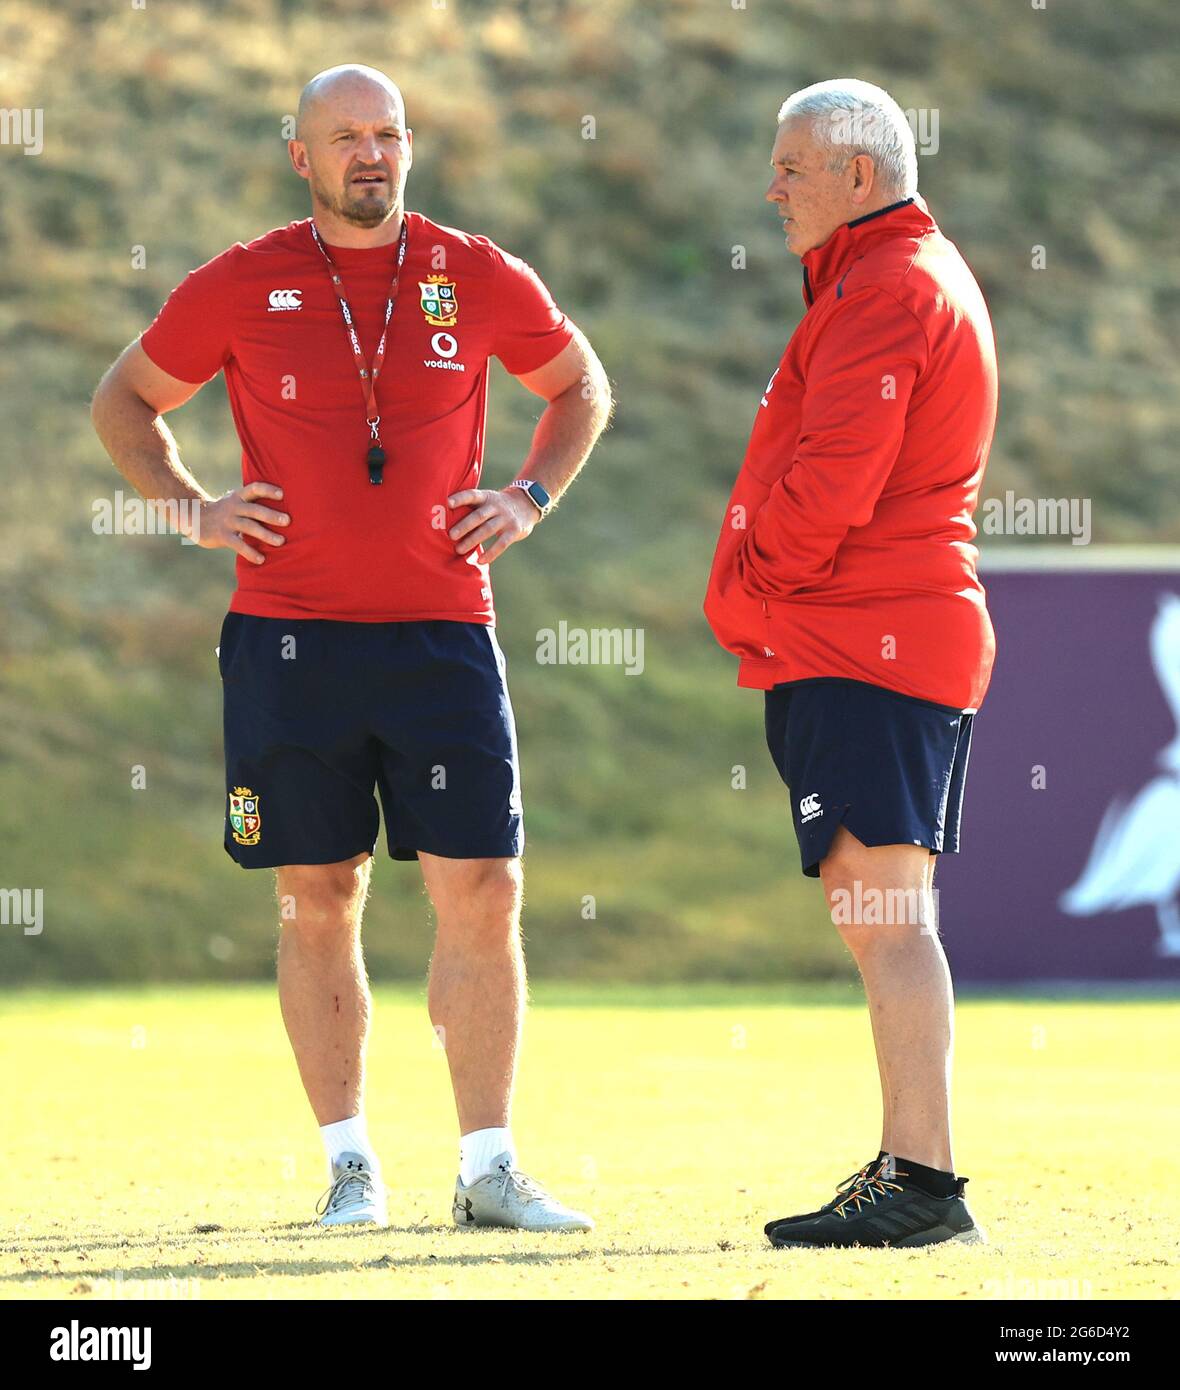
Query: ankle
[(480, 1148)]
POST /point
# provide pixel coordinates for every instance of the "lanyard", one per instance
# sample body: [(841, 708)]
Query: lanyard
[(375, 458)]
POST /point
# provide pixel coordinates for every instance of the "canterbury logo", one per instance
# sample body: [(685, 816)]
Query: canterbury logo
[(285, 299), (809, 807)]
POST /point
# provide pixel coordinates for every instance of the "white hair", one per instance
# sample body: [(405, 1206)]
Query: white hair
[(854, 117)]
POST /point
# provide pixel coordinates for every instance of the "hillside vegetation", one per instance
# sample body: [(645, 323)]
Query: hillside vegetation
[(1057, 129)]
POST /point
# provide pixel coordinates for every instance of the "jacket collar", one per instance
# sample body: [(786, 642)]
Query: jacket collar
[(823, 264)]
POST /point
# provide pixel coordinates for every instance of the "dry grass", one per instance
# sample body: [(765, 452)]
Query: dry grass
[(162, 1136)]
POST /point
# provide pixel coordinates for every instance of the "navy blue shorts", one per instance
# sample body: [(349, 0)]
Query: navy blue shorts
[(890, 767), (320, 714)]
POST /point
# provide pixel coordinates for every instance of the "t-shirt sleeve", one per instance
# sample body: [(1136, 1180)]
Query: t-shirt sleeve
[(192, 335), (530, 329)]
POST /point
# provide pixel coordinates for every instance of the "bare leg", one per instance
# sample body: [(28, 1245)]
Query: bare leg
[(907, 983), (477, 981), (323, 990), (886, 1101)]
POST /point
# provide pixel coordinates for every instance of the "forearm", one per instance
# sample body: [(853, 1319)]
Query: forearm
[(565, 434), (788, 547), (143, 448)]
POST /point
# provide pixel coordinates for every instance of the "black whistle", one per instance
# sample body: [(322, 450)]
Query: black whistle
[(376, 461)]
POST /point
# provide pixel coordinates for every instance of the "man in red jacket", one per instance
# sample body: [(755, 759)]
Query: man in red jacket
[(845, 581)]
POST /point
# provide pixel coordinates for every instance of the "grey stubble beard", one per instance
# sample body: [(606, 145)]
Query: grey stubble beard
[(352, 212)]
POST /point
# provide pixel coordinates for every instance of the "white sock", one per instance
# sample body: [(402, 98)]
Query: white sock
[(480, 1149), (349, 1136)]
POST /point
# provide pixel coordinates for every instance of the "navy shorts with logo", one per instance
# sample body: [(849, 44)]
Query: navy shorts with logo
[(888, 766), (320, 715)]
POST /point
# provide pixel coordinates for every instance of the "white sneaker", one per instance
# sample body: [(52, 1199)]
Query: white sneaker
[(356, 1196), (506, 1197)]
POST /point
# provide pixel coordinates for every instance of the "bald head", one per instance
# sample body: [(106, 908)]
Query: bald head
[(352, 146), (344, 87)]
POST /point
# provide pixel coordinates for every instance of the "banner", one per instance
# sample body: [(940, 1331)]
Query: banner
[(1070, 857)]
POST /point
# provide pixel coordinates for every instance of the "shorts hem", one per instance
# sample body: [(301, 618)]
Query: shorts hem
[(811, 870), (408, 853), (269, 861)]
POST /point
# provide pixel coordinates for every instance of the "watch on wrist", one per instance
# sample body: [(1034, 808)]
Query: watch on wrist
[(540, 498)]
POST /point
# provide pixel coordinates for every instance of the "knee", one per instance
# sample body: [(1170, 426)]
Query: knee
[(842, 873), (319, 901), (875, 913), (496, 890), (844, 892), (484, 899)]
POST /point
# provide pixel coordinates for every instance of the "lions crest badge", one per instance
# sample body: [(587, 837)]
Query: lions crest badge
[(244, 816), (439, 302)]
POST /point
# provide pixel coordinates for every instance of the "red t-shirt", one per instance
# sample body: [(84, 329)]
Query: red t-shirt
[(267, 315)]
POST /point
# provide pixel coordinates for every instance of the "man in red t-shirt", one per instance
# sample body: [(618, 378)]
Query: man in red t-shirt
[(359, 652), (844, 578)]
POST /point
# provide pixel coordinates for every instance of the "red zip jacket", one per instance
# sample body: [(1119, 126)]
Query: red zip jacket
[(846, 547)]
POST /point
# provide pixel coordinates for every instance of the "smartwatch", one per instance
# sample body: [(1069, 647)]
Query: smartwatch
[(540, 498)]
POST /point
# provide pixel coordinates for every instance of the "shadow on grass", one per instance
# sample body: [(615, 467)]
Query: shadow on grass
[(211, 1271), (287, 1230)]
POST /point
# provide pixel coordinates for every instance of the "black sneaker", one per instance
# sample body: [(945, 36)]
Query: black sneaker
[(879, 1210), (841, 1190)]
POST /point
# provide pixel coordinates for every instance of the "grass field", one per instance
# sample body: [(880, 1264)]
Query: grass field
[(157, 1143)]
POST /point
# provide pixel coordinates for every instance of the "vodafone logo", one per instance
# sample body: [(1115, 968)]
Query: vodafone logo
[(279, 300), (446, 345)]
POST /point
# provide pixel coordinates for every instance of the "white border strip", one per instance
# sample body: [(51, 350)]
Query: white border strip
[(1016, 559)]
